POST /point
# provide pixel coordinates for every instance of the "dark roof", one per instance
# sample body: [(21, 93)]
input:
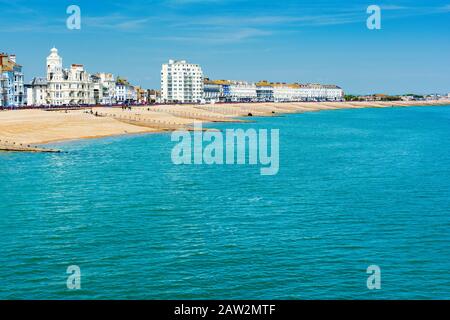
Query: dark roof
[(39, 82)]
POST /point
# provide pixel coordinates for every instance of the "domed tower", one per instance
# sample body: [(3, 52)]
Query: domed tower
[(54, 65)]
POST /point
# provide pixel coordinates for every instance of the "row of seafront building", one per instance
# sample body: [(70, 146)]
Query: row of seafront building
[(72, 86), (183, 82), (263, 91)]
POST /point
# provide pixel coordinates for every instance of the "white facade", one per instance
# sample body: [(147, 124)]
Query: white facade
[(334, 93), (104, 88), (308, 92), (37, 92), (263, 91), (241, 91), (286, 93), (125, 92), (181, 82), (67, 86), (321, 92), (212, 92)]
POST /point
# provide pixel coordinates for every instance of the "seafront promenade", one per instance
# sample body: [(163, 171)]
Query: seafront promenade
[(34, 127)]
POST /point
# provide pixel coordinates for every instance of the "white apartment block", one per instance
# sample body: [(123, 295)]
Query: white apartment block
[(181, 82), (67, 86)]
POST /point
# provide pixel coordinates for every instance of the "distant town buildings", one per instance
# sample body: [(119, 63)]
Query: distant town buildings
[(263, 91), (12, 91), (405, 97), (181, 82)]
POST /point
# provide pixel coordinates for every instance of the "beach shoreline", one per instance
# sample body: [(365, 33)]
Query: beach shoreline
[(41, 127)]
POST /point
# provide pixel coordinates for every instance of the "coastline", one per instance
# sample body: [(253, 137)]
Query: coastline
[(40, 127)]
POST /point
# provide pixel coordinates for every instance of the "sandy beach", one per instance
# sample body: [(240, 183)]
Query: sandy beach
[(35, 127)]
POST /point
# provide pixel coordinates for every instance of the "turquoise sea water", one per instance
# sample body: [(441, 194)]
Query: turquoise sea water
[(355, 188)]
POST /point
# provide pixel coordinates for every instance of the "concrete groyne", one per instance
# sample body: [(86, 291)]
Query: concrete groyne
[(12, 146)]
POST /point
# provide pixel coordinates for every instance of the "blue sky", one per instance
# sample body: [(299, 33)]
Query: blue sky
[(283, 40)]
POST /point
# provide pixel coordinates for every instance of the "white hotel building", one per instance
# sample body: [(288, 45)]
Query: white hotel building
[(67, 86), (181, 82)]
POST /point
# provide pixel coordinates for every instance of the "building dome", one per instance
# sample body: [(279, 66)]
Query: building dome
[(54, 63), (54, 52), (54, 56)]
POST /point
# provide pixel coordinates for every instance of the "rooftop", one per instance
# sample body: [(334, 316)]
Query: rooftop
[(39, 82)]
